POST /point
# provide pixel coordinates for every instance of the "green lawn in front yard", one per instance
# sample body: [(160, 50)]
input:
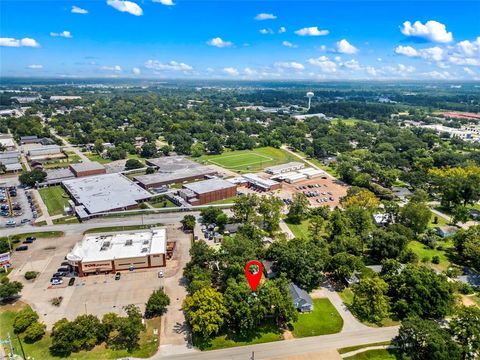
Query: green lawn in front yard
[(55, 198), (71, 158), (299, 230), (263, 335), (161, 202), (244, 161), (39, 350), (353, 348), (96, 157), (324, 319), (424, 251), (378, 354), (347, 296), (66, 220)]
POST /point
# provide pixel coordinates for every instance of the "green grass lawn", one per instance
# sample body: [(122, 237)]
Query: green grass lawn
[(379, 354), (66, 220), (229, 200), (39, 350), (96, 157), (347, 296), (55, 198), (161, 202), (299, 230), (424, 251), (324, 319), (71, 158), (265, 334), (244, 161), (353, 348), (120, 228)]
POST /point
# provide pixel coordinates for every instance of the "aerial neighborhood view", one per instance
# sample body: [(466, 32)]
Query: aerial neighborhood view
[(239, 180)]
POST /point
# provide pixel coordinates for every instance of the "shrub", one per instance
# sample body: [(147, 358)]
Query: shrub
[(30, 275), (465, 289), (34, 332), (436, 259), (425, 259), (157, 303), (24, 319), (56, 301)]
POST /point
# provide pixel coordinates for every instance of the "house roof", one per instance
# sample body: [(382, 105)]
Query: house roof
[(299, 295)]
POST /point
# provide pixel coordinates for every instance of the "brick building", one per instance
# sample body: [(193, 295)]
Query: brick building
[(87, 169), (207, 191)]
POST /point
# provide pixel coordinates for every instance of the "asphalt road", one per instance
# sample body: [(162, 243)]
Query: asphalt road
[(291, 347), (164, 218)]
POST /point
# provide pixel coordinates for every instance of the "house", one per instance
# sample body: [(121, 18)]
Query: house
[(401, 192), (269, 269), (380, 219), (352, 280), (232, 228), (302, 301), (446, 231), (469, 277)]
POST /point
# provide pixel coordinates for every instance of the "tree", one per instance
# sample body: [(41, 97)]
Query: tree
[(418, 290), (214, 145), (197, 149), (415, 216), (10, 289), (370, 301), (149, 150), (344, 265), (460, 214), (465, 329), (425, 340), (157, 303), (126, 334), (467, 244), (205, 311), (387, 244), (362, 198), (188, 222), (30, 178), (209, 215), (270, 209), (131, 164), (298, 209), (34, 332), (3, 168), (98, 146), (23, 319), (150, 170), (244, 208)]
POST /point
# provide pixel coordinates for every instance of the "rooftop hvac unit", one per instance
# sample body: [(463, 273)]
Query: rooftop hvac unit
[(144, 250), (129, 242), (146, 242)]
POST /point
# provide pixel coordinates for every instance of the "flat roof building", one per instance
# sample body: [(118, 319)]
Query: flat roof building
[(109, 253), (103, 193), (11, 161), (285, 168), (261, 183), (171, 170), (204, 192), (87, 168)]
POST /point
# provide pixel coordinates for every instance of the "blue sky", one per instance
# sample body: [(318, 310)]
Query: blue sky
[(241, 39)]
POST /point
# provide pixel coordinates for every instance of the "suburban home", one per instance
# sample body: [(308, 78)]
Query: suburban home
[(269, 269), (302, 301), (445, 231)]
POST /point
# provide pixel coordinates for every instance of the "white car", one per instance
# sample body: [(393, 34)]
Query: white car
[(160, 274), (57, 281)]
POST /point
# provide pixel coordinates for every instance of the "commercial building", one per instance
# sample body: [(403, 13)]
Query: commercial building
[(109, 253), (45, 152), (87, 168), (290, 177), (6, 141), (171, 170), (104, 193), (207, 191), (261, 183), (312, 173), (285, 168), (11, 161)]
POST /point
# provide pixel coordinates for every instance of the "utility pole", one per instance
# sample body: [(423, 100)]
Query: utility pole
[(21, 348)]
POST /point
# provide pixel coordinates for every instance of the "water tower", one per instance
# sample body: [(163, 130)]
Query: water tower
[(310, 95)]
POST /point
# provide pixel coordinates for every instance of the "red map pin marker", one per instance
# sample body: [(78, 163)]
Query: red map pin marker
[(253, 279)]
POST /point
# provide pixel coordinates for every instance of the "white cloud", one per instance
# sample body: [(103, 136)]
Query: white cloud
[(344, 47), (231, 71), (431, 30), (170, 66), (323, 62), (352, 64), (126, 6), (165, 2), (219, 42), (432, 54), (282, 30), (116, 68), (289, 44), (371, 71), (11, 42), (78, 10), (35, 66), (65, 34), (266, 31), (265, 16), (469, 71), (248, 71), (404, 69), (289, 65), (438, 75), (406, 50), (322, 48), (469, 48), (311, 31), (136, 71)]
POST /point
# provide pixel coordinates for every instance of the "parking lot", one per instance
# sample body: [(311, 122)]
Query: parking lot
[(14, 205), (97, 294)]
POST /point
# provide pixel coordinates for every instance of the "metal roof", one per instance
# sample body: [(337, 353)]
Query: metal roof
[(206, 186)]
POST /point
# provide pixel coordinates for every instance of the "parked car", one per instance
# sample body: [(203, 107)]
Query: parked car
[(33, 238), (56, 281), (71, 281), (27, 241), (58, 274), (117, 276), (63, 269), (25, 221), (21, 248), (160, 274), (11, 223)]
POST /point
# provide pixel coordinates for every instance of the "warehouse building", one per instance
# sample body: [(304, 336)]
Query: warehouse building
[(207, 191), (109, 253), (88, 168), (45, 152), (285, 168), (11, 160), (172, 170), (258, 182), (98, 194), (290, 177)]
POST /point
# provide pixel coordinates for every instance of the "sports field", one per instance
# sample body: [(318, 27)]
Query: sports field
[(249, 160)]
